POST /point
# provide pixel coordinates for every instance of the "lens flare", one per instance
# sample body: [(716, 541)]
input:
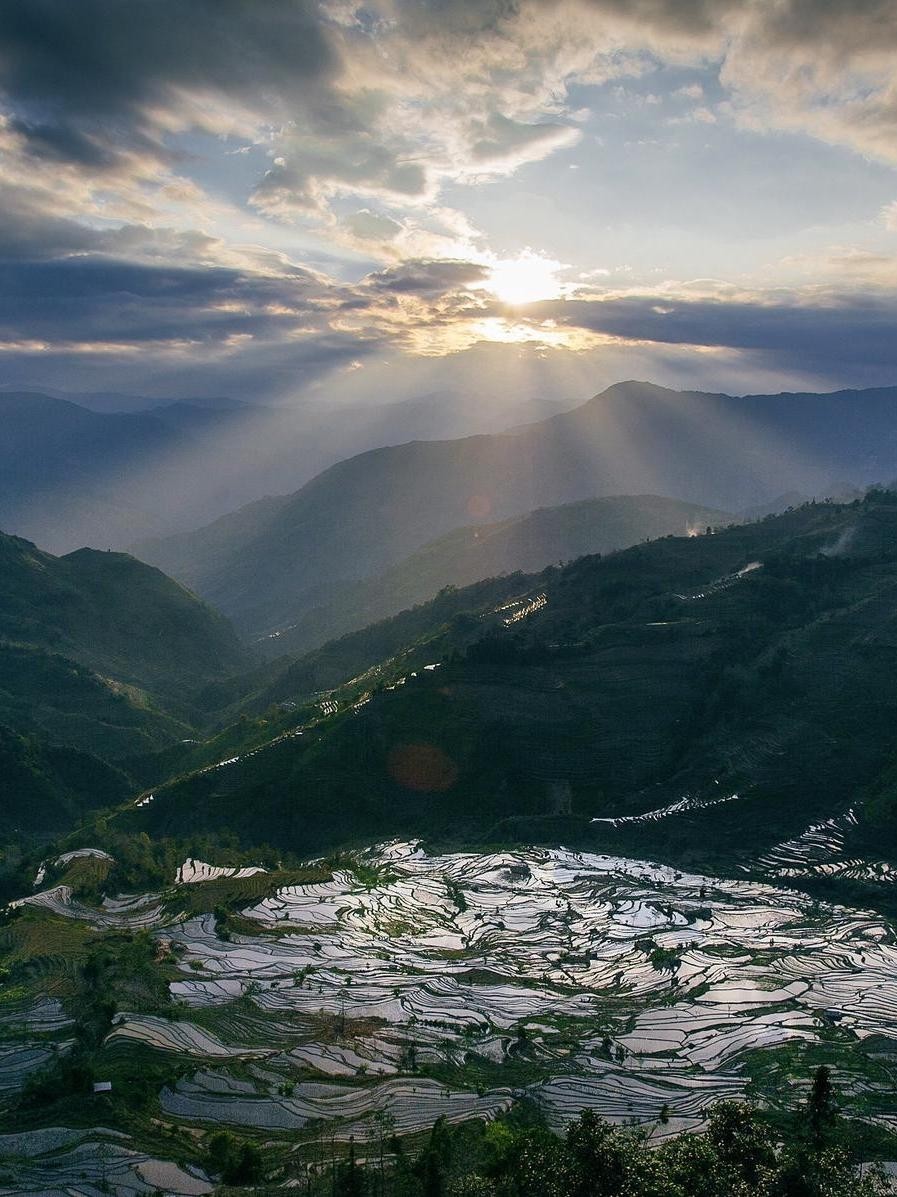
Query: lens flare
[(422, 767)]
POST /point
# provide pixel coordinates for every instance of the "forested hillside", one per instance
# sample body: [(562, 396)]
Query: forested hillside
[(102, 655), (548, 536), (755, 665)]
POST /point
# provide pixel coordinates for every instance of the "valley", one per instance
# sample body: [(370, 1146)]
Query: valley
[(401, 509), (613, 836), (448, 598), (568, 705)]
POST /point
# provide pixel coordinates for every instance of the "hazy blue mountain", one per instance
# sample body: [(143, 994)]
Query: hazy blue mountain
[(63, 467), (49, 441), (71, 477), (108, 469), (265, 565), (198, 418)]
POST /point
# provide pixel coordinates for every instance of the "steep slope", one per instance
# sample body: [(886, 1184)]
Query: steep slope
[(114, 615), (466, 555), (369, 512), (746, 679), (101, 652), (46, 789)]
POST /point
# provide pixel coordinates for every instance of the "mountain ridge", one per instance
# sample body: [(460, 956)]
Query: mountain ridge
[(755, 664), (102, 654), (471, 553), (367, 512)]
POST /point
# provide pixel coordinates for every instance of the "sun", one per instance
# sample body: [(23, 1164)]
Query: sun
[(525, 279)]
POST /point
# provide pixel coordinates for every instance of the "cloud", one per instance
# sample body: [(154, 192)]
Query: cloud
[(364, 123), (800, 330), (499, 141), (394, 99), (371, 226), (102, 58), (429, 277)]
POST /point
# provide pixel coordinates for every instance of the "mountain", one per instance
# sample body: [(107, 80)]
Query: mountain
[(265, 565), (46, 788), (726, 702), (108, 401), (466, 555), (113, 614), (107, 469), (64, 468), (744, 682), (101, 653), (195, 417)]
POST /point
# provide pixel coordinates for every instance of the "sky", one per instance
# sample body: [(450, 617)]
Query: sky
[(279, 199)]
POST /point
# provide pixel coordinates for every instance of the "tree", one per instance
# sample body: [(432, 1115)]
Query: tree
[(236, 1162), (431, 1167), (741, 1140), (821, 1106), (600, 1157), (350, 1180)]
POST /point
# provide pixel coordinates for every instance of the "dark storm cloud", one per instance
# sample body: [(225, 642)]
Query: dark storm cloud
[(99, 84), (26, 231), (93, 300), (433, 277), (102, 57), (839, 327), (65, 143)]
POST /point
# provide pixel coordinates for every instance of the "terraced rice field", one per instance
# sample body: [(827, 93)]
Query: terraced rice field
[(821, 851), (63, 1162), (459, 985)]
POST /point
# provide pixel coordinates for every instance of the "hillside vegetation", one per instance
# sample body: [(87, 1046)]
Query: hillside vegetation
[(112, 614), (102, 655), (547, 536), (757, 662), (46, 789)]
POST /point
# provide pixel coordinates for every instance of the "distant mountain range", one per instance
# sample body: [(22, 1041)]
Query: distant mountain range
[(105, 470), (271, 562), (70, 476)]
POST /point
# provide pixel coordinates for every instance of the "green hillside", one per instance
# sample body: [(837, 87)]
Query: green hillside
[(757, 662), (113, 614), (46, 789), (724, 703), (101, 655), (468, 554)]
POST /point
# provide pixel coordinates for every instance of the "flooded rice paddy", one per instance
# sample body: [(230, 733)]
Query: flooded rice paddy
[(420, 986)]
